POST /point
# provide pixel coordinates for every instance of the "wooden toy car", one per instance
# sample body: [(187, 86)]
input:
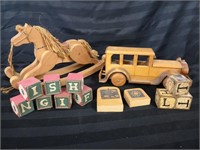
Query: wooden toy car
[(137, 65)]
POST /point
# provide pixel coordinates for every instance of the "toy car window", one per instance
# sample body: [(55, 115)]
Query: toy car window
[(115, 59), (128, 60), (143, 60)]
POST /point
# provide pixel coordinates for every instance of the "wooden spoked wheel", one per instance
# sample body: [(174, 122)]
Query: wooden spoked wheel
[(118, 79)]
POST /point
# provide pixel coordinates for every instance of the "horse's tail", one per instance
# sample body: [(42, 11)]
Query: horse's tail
[(93, 53)]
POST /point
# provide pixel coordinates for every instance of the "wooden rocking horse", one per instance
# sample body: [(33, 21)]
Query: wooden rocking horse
[(48, 52)]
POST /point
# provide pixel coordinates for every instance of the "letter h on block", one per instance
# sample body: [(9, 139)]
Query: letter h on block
[(52, 84), (74, 83), (20, 106), (30, 88), (63, 100)]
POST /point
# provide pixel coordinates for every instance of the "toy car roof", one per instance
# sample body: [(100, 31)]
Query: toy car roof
[(129, 50)]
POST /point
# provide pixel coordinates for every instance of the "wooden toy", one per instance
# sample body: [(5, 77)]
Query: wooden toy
[(85, 97), (177, 84), (136, 97), (109, 99), (44, 102), (52, 84), (48, 52), (63, 100), (30, 88), (183, 101), (137, 65), (74, 83), (20, 106), (165, 100)]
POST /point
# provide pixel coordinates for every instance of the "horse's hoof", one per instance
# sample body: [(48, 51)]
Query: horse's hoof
[(13, 81), (8, 72)]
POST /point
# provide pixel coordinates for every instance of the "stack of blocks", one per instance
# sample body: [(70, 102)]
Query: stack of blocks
[(176, 94), (32, 89)]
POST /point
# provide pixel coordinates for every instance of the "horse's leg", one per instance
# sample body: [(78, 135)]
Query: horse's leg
[(28, 68), (47, 62)]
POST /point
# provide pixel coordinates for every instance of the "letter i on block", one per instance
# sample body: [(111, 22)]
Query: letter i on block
[(74, 83), (85, 97), (30, 88), (20, 106), (63, 100), (52, 84), (44, 102)]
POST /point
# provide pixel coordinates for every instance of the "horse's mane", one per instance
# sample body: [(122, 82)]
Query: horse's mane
[(52, 43)]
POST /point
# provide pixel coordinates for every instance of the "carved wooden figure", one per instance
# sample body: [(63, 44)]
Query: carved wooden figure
[(109, 99), (136, 97), (20, 106), (44, 102), (30, 88), (177, 84), (52, 84), (74, 83), (63, 100), (84, 97), (48, 52)]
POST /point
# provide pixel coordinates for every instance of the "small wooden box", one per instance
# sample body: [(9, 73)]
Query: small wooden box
[(136, 97), (109, 99), (20, 106), (30, 88), (74, 83), (85, 97), (44, 102), (63, 100), (164, 99), (52, 84), (177, 84)]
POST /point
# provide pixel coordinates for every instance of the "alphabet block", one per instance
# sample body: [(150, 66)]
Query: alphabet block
[(30, 88), (183, 101), (44, 102), (109, 99), (63, 100), (85, 97), (177, 84), (52, 84), (164, 99), (74, 83), (136, 97), (20, 106)]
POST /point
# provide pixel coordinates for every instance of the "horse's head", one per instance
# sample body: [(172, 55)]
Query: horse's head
[(23, 35)]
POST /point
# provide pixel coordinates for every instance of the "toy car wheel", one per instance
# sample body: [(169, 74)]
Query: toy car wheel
[(118, 79)]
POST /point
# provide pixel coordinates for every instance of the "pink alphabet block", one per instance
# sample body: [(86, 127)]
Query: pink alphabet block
[(63, 100), (30, 88), (52, 84), (74, 83), (85, 97), (20, 106)]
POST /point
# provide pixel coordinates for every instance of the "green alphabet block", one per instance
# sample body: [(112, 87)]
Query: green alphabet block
[(63, 100), (44, 102), (20, 106)]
